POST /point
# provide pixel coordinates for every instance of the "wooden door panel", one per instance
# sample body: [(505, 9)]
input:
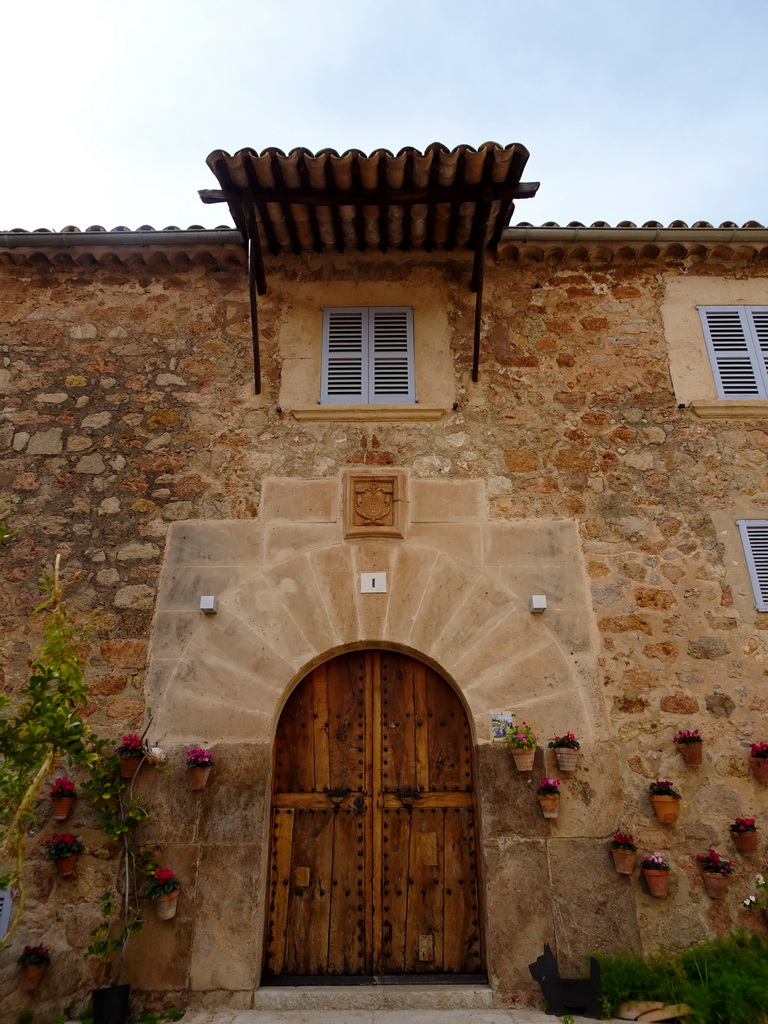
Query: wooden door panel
[(449, 753), (396, 827), (425, 927), (462, 951), (346, 941), (309, 892), (346, 721), (398, 736), (373, 862)]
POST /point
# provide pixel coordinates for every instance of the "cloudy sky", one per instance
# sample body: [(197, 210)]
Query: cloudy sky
[(631, 111)]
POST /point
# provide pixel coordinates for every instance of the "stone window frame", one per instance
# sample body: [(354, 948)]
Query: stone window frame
[(690, 364)]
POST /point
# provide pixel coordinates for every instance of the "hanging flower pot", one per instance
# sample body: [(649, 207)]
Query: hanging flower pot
[(623, 852), (665, 800), (164, 892), (566, 751), (758, 761), (131, 753), (744, 835), (548, 796), (689, 744), (165, 906), (34, 962), (714, 871), (199, 762), (524, 759), (657, 882), (656, 878), (62, 797), (521, 740), (62, 850)]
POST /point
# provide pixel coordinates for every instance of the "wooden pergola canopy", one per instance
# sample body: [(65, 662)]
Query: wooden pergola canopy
[(307, 202)]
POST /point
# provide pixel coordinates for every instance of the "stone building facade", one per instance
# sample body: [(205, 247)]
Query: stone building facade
[(592, 462)]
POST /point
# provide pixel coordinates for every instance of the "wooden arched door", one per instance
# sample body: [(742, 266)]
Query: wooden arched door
[(373, 859)]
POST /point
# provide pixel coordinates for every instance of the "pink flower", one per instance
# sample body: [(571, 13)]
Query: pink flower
[(163, 874)]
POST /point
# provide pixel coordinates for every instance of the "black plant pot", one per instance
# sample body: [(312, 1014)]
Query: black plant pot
[(110, 1005)]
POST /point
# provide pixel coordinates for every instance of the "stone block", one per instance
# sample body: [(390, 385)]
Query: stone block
[(531, 543), (232, 543), (411, 574), (461, 541), (158, 958), (335, 568), (447, 501), (593, 906), (182, 587), (449, 583), (302, 592), (308, 501), (286, 540)]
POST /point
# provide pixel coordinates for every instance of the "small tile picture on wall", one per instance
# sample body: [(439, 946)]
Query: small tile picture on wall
[(501, 724)]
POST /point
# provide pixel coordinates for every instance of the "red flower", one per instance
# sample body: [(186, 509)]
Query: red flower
[(163, 874)]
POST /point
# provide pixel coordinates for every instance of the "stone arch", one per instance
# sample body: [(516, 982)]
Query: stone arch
[(276, 621)]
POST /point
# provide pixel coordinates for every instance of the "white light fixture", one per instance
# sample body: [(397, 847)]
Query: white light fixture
[(537, 603), (209, 604)]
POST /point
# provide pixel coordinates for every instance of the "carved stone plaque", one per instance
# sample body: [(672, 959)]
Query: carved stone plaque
[(374, 503)]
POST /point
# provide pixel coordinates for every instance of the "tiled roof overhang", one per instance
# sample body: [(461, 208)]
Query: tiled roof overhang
[(312, 202)]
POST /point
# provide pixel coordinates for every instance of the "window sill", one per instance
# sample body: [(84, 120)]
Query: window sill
[(730, 408), (368, 413)]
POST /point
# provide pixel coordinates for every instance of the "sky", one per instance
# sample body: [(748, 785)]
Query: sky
[(631, 111)]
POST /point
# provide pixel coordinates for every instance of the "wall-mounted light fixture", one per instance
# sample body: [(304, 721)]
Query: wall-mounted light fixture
[(209, 604), (537, 603)]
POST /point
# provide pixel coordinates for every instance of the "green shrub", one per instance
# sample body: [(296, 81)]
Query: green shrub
[(725, 981)]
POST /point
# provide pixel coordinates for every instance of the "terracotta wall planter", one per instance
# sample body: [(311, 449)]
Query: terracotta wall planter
[(666, 808), (759, 767), (567, 758), (129, 766), (623, 861), (65, 866), (198, 777), (746, 842), (657, 882), (691, 752), (165, 906), (524, 759), (715, 884), (31, 976), (61, 806), (549, 803)]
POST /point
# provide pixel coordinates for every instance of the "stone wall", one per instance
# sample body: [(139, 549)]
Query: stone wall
[(128, 407)]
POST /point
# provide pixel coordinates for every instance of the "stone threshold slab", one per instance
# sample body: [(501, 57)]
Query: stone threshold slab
[(372, 997)]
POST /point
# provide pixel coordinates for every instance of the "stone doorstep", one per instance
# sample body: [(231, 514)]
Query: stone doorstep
[(523, 1015), (280, 998)]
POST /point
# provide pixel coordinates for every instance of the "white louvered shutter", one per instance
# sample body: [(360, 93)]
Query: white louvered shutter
[(737, 340), (5, 912), (754, 537), (345, 363), (391, 354)]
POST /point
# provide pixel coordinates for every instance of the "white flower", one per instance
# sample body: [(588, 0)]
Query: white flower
[(759, 879)]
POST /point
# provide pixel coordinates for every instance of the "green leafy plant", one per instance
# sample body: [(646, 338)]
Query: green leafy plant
[(62, 845), (567, 742), (663, 787), (37, 955), (43, 724), (520, 737), (162, 884), (714, 864), (724, 981), (623, 841), (25, 1017)]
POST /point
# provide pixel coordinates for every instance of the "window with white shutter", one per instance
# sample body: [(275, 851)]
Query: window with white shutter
[(754, 537), (5, 912), (367, 355), (737, 341)]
